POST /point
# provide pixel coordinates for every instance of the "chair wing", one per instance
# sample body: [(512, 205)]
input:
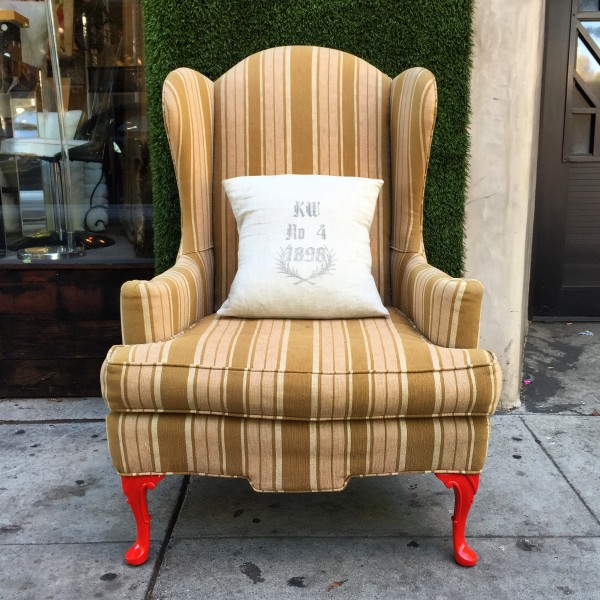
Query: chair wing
[(446, 310), (159, 309)]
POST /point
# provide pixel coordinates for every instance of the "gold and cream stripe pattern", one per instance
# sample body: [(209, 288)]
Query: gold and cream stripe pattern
[(159, 309), (272, 454), (300, 110), (446, 309), (299, 405), (304, 370), (413, 111), (189, 117)]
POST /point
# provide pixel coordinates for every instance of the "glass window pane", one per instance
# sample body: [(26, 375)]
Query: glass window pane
[(100, 54), (29, 130), (588, 5), (581, 134), (105, 70), (593, 29), (588, 67)]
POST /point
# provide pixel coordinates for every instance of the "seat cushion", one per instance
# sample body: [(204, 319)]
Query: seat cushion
[(301, 369)]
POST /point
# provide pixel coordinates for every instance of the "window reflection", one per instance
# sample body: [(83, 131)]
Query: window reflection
[(102, 81), (593, 29), (581, 135), (588, 5), (587, 65)]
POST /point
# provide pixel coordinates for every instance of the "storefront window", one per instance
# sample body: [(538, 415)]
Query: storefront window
[(74, 167)]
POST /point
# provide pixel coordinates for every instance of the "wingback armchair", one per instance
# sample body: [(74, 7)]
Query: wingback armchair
[(300, 405)]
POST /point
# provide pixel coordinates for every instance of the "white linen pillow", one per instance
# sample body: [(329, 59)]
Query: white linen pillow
[(304, 249)]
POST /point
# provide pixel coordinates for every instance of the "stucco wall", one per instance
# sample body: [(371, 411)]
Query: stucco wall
[(505, 91)]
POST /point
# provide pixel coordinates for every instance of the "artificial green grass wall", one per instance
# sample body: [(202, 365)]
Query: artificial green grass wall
[(214, 35)]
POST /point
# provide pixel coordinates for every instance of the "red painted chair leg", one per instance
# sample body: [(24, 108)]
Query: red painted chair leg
[(465, 488), (135, 488)]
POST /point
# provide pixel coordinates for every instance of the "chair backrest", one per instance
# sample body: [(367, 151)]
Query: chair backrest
[(302, 110)]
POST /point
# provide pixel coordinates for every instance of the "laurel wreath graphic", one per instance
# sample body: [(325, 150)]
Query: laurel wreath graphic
[(327, 265)]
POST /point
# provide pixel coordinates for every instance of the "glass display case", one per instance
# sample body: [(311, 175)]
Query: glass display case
[(74, 166)]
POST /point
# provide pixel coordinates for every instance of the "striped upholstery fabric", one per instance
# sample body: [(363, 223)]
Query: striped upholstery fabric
[(299, 405), (301, 110), (156, 310), (445, 309), (413, 109), (294, 456), (297, 369), (189, 117)]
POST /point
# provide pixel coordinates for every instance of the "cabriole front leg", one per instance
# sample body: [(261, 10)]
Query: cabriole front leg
[(135, 488), (465, 488)]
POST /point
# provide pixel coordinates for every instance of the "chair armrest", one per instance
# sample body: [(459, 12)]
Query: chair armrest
[(445, 309), (159, 309)]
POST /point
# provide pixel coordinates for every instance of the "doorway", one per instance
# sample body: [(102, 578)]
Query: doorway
[(566, 250)]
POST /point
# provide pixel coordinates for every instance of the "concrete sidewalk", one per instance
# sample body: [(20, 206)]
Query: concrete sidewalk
[(64, 522)]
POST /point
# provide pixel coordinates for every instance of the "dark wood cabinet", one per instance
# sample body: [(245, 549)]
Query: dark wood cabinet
[(57, 324)]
